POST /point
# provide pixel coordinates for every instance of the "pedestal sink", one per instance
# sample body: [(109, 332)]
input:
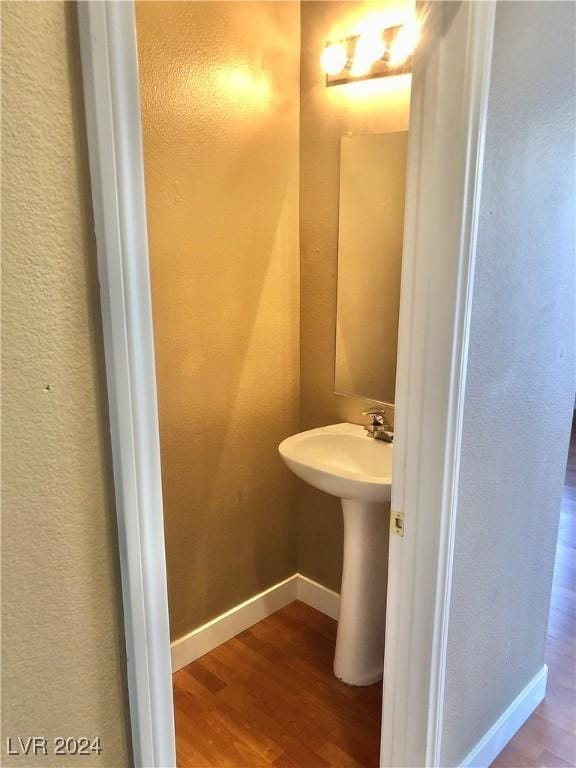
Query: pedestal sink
[(343, 461)]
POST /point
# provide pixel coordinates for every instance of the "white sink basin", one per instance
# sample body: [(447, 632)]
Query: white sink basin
[(343, 461)]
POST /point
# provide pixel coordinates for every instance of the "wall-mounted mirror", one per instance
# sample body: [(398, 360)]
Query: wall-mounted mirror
[(372, 191)]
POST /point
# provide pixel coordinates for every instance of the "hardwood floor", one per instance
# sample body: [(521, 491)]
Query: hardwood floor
[(268, 697), (548, 738)]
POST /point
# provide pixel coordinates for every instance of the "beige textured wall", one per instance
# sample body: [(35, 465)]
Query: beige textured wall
[(62, 645), (520, 387), (375, 106), (220, 116)]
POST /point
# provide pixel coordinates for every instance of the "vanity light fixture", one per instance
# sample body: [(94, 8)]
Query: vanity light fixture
[(334, 58), (375, 53)]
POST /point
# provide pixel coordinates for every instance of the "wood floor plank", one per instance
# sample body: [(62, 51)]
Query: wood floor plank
[(205, 677), (269, 696), (549, 760), (239, 722), (512, 757), (337, 757), (538, 734), (295, 740), (285, 762)]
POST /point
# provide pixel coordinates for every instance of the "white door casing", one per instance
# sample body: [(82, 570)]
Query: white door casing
[(450, 85), (111, 96)]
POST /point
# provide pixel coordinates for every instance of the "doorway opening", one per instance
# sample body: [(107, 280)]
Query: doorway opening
[(417, 586)]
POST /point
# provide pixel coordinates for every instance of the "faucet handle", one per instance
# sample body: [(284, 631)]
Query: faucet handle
[(377, 416)]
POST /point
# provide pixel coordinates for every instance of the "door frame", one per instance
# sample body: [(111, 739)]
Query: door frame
[(449, 104), (448, 119), (112, 105)]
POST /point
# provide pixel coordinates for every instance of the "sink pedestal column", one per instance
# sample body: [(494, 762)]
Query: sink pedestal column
[(359, 658)]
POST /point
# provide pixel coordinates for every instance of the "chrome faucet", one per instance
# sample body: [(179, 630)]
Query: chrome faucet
[(379, 428)]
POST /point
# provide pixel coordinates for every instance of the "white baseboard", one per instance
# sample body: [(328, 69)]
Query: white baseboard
[(494, 741), (212, 634), (323, 599)]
